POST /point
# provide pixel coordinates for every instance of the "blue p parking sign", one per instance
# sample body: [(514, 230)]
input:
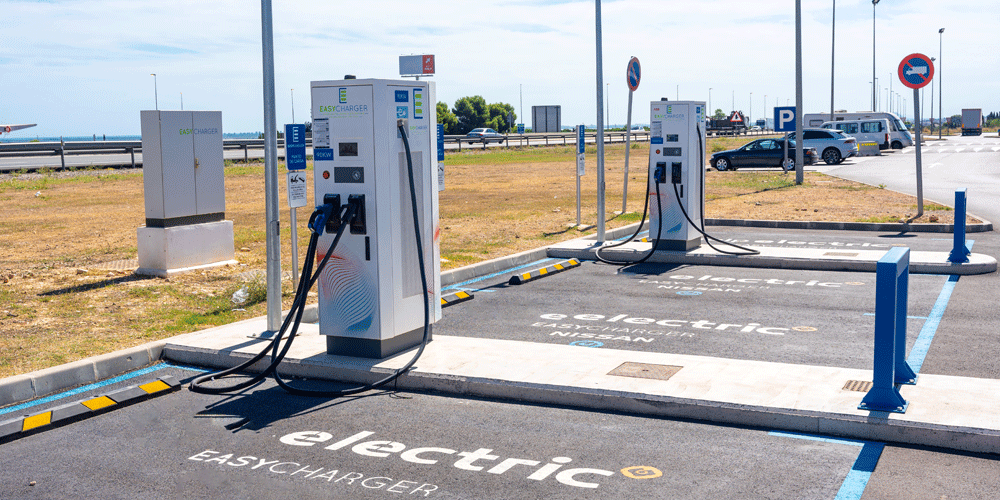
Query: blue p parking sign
[(784, 119)]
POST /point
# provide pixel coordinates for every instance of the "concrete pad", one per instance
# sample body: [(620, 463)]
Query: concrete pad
[(952, 412), (815, 259)]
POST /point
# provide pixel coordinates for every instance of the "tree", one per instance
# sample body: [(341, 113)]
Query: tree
[(719, 115), (471, 112), (447, 118)]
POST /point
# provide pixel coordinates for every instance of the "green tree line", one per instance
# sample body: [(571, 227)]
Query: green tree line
[(473, 112)]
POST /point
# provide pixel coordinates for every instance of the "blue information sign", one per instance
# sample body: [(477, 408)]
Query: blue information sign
[(579, 139), (784, 119), (295, 146), (520, 128), (440, 128)]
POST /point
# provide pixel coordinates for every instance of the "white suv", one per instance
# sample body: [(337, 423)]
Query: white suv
[(833, 146)]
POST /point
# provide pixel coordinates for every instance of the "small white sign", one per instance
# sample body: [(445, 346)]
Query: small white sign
[(440, 176), (321, 132), (580, 163), (297, 189)]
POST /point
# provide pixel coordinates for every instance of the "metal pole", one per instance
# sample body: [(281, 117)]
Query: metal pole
[(920, 174), (156, 93), (600, 129), (874, 3), (833, 41), (940, 85), (520, 92), (182, 101), (271, 174), (628, 143), (293, 121), (799, 146), (607, 119)]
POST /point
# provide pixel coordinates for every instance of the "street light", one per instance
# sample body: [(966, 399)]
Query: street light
[(710, 101), (607, 92), (156, 98), (833, 39), (750, 113), (182, 101), (293, 105), (874, 3), (932, 102), (940, 88)]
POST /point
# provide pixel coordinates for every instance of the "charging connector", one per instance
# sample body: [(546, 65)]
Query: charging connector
[(358, 222), (660, 173), (327, 216)]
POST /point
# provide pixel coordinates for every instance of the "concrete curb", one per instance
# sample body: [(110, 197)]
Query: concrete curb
[(852, 226)]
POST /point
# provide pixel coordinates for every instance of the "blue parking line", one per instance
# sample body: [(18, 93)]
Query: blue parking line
[(923, 342), (98, 385), (488, 276), (857, 478)]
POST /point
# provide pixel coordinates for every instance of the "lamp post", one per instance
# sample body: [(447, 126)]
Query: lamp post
[(833, 39), (156, 97), (182, 101), (607, 92), (874, 3), (932, 102), (940, 88), (710, 110), (293, 105), (750, 113)]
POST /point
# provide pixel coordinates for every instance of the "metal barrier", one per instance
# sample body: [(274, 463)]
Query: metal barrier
[(892, 274), (959, 251)]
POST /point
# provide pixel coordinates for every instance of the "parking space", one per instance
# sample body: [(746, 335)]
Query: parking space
[(268, 444)]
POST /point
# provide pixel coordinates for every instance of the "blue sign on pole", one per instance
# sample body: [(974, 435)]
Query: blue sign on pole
[(579, 139), (440, 128), (784, 119), (520, 128), (295, 146)]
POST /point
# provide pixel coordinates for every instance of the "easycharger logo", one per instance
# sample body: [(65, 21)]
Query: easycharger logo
[(481, 460), (199, 131)]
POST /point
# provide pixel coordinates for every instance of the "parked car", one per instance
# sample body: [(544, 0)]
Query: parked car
[(762, 153), (485, 135), (834, 146)]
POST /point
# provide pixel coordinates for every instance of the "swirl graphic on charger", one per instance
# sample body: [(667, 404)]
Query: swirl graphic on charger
[(347, 296)]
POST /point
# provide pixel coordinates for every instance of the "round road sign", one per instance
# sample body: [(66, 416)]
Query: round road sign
[(633, 74), (916, 70)]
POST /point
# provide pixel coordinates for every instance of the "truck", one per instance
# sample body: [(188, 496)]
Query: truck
[(972, 121), (734, 124)]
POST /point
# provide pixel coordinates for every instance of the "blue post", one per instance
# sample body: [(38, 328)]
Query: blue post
[(891, 280), (959, 252)]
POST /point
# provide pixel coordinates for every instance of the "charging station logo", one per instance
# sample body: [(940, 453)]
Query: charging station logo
[(403, 96), (343, 95), (418, 104), (402, 112)]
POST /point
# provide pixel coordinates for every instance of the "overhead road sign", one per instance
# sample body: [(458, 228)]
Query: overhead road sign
[(916, 70)]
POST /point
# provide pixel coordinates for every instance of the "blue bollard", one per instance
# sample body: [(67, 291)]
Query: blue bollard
[(890, 366), (959, 252)]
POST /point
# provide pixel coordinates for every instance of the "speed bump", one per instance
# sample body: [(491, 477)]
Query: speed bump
[(520, 279), (455, 298), (65, 414)]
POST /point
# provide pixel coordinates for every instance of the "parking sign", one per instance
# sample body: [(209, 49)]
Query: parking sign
[(784, 119)]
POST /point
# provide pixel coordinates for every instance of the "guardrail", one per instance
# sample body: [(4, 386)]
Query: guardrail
[(548, 139)]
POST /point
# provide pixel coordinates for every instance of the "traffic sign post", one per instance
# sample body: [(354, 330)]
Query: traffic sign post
[(633, 74), (916, 71), (580, 163)]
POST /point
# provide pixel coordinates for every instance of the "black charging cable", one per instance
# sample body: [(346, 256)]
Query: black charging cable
[(317, 222), (642, 221)]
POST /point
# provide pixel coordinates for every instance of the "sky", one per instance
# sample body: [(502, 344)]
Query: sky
[(84, 67)]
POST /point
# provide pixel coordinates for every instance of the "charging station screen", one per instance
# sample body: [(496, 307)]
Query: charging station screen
[(347, 149), (671, 151), (670, 137)]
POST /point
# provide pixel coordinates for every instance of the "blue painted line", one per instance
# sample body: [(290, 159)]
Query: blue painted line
[(473, 290), (488, 276), (923, 342), (810, 437), (908, 317), (98, 385), (854, 484)]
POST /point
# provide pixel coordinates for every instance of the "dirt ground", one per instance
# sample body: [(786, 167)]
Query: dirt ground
[(68, 251)]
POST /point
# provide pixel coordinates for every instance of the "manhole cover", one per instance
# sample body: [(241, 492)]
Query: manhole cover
[(840, 254), (645, 370), (857, 385)]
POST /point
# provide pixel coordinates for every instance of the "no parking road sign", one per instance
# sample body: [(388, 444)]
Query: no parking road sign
[(633, 74), (916, 70)]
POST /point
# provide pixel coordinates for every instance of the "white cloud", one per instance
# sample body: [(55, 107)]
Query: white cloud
[(82, 67)]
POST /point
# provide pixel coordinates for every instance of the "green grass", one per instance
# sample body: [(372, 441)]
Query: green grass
[(754, 181), (934, 206), (877, 219)]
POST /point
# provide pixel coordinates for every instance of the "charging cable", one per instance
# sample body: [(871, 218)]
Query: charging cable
[(642, 220), (319, 221)]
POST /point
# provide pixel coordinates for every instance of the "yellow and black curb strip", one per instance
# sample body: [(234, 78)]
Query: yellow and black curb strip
[(520, 279), (456, 298), (65, 414)]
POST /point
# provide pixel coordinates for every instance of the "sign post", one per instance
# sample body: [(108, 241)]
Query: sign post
[(295, 162), (580, 164), (784, 121), (632, 75), (916, 71)]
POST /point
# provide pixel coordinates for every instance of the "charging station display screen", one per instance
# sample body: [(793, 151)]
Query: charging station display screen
[(670, 137), (347, 149), (672, 151)]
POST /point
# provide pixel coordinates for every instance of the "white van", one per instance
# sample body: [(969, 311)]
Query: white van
[(899, 135), (871, 130)]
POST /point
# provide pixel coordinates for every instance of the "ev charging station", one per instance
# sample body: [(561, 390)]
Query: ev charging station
[(676, 161), (370, 293)]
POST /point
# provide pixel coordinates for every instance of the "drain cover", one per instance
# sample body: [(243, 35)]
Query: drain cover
[(857, 385), (840, 254), (645, 370)]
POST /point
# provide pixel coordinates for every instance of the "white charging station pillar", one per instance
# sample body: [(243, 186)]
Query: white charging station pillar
[(676, 144), (370, 295), (185, 193)]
